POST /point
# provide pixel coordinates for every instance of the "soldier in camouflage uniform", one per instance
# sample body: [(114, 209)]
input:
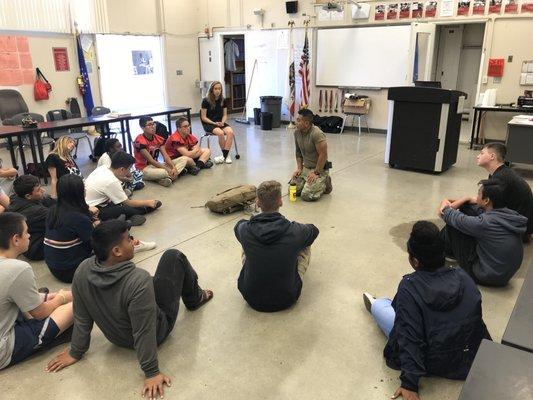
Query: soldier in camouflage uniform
[(311, 176)]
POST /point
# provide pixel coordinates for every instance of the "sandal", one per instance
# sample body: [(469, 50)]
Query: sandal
[(206, 296)]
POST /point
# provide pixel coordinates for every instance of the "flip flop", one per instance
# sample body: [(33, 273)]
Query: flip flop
[(206, 296)]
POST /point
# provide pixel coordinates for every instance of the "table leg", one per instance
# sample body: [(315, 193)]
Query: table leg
[(478, 128), (32, 146), (129, 135), (169, 123), (41, 153), (123, 133), (189, 116), (12, 152), (22, 155), (473, 129)]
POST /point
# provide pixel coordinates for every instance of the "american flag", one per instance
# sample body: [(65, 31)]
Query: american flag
[(304, 73), (292, 88)]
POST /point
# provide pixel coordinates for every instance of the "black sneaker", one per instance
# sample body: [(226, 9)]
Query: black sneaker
[(208, 164), (183, 172), (136, 220), (193, 170)]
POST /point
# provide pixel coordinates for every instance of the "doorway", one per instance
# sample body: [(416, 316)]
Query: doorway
[(234, 72), (458, 52)]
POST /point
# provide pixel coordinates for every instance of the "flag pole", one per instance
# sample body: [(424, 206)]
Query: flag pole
[(292, 83)]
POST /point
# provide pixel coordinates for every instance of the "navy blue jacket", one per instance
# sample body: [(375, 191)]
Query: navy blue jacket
[(269, 279), (438, 326)]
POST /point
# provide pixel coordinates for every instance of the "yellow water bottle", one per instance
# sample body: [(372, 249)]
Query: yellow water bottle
[(292, 192)]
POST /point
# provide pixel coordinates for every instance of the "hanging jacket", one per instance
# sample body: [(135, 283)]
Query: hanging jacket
[(438, 326), (269, 279)]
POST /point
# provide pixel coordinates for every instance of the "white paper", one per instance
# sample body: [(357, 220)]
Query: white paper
[(529, 79), (446, 8), (523, 78), (530, 66)]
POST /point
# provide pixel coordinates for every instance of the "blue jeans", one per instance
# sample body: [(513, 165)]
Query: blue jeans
[(384, 314)]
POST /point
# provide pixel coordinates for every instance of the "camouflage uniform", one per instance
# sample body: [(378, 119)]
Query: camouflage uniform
[(310, 191)]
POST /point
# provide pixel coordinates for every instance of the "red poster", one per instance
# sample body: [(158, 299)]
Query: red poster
[(417, 9), (392, 11), (479, 7), (405, 10), (511, 7), (431, 9), (380, 12), (496, 67), (61, 58), (463, 7), (495, 6), (527, 7)]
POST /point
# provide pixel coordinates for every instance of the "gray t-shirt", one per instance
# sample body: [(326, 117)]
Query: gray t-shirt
[(18, 292), (305, 145)]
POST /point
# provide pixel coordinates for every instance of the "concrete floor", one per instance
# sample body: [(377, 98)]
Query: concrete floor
[(327, 345)]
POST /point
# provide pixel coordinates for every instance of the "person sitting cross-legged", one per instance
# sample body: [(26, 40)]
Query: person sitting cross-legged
[(276, 255), (147, 147), (131, 308), (434, 325), (29, 321), (488, 246), (183, 143), (31, 201), (130, 182), (104, 190)]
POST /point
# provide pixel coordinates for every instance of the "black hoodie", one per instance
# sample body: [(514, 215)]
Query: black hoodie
[(35, 213), (269, 279), (438, 326)]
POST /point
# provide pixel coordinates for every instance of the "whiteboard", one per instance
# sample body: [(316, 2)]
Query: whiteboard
[(375, 56)]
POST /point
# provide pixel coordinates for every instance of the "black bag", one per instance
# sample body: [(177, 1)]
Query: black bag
[(161, 130), (99, 146), (40, 170), (332, 124)]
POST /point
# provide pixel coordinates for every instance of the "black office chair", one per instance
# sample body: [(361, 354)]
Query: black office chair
[(11, 103), (61, 115)]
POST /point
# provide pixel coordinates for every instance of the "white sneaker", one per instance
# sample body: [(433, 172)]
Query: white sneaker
[(228, 160), (368, 299), (219, 160), (143, 246)]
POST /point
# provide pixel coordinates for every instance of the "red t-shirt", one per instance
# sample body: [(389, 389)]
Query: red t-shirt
[(175, 141), (142, 142)]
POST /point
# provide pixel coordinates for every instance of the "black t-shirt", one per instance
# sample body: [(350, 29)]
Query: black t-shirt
[(62, 167), (215, 114), (518, 195)]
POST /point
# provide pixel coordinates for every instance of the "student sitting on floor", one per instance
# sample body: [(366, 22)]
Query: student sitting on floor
[(487, 246), (147, 147), (104, 190), (517, 193), (131, 182), (31, 201), (29, 321), (130, 307), (60, 162), (183, 143), (7, 176), (276, 253), (434, 325), (213, 115), (69, 226)]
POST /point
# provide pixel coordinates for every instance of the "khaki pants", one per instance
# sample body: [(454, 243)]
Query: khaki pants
[(304, 258), (313, 191), (151, 173)]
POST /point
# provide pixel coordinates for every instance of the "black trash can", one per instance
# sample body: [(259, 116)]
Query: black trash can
[(272, 104), (266, 121), (257, 116)]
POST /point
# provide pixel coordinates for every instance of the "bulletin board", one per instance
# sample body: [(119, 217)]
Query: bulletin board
[(526, 76), (16, 67)]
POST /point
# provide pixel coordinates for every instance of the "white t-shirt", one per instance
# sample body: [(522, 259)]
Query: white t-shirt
[(102, 187), (104, 160), (18, 293)]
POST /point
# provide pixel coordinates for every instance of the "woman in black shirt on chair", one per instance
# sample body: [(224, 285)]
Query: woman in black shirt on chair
[(214, 114)]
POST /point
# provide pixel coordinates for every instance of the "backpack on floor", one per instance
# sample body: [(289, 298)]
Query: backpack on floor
[(99, 146), (231, 200), (332, 124)]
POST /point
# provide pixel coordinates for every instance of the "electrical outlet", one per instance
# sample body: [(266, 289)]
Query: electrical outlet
[(179, 72), (509, 59)]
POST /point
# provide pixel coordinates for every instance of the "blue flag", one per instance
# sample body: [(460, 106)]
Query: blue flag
[(83, 80), (415, 65)]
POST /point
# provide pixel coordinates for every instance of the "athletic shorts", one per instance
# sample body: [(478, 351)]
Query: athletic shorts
[(31, 335), (208, 128)]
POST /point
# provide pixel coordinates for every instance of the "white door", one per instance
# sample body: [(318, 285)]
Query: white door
[(211, 58), (421, 51), (450, 43)]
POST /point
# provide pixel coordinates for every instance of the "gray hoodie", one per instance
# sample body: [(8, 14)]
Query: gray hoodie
[(120, 299), (499, 241)]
